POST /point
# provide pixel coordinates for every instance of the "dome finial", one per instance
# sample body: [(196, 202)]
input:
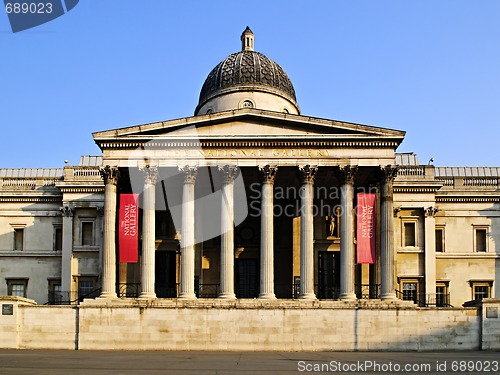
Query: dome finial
[(247, 39)]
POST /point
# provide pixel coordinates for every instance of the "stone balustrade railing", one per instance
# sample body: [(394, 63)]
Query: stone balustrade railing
[(27, 183), (470, 182)]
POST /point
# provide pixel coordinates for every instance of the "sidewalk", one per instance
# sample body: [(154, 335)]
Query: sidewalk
[(46, 362)]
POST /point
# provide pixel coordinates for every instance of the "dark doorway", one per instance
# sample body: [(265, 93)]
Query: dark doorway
[(328, 274), (165, 286), (247, 278)]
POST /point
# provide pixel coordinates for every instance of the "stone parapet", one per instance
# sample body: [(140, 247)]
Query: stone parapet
[(255, 325), (490, 329)]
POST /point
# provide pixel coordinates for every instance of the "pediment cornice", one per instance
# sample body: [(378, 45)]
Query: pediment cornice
[(296, 131)]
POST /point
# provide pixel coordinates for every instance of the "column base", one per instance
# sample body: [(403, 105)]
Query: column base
[(348, 297), (388, 296), (227, 296), (267, 296), (147, 295), (309, 296), (108, 295), (187, 296)]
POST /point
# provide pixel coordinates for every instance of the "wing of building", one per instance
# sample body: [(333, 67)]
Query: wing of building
[(250, 199)]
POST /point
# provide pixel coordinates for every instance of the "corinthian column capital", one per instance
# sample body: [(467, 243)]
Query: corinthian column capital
[(308, 173), (190, 173), (229, 173), (110, 175), (346, 174), (66, 211), (388, 173), (267, 173), (431, 211), (150, 174)]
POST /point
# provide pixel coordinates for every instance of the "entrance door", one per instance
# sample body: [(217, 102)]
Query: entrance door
[(329, 274), (165, 285), (247, 278)]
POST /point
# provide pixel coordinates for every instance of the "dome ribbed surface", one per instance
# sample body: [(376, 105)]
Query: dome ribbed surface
[(247, 70)]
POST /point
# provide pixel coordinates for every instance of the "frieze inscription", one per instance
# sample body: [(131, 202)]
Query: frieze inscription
[(248, 153)]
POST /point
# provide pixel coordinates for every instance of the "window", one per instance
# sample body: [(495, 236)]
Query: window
[(481, 289), (480, 239), (87, 233), (18, 238), (409, 229), (410, 291), (17, 287), (409, 234), (57, 238), (87, 288), (55, 293), (442, 294), (439, 240)]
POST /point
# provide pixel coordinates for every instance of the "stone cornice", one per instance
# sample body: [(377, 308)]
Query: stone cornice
[(467, 255), (30, 199), (251, 115), (187, 143), (27, 253), (82, 189), (416, 189), (467, 199)]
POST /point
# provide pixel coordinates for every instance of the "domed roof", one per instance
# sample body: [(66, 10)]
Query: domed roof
[(247, 70)]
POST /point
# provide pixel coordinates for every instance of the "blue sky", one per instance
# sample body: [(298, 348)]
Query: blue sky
[(431, 68)]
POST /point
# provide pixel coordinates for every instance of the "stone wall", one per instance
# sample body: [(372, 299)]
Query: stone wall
[(247, 325), (48, 327)]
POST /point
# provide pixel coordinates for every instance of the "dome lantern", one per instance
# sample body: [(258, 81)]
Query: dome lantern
[(247, 40)]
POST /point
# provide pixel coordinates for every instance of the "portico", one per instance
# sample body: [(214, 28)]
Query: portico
[(281, 169)]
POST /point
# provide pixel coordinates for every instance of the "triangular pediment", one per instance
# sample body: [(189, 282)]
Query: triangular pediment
[(248, 124)]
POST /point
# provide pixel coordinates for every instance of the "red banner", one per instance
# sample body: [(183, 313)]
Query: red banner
[(128, 231), (365, 234)]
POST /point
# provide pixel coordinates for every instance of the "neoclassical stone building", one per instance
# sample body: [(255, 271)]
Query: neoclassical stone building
[(250, 199)]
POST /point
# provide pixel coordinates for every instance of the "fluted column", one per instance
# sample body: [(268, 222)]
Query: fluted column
[(307, 175), (346, 177), (148, 233), (110, 176), (267, 175), (186, 289), (229, 173), (387, 262)]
